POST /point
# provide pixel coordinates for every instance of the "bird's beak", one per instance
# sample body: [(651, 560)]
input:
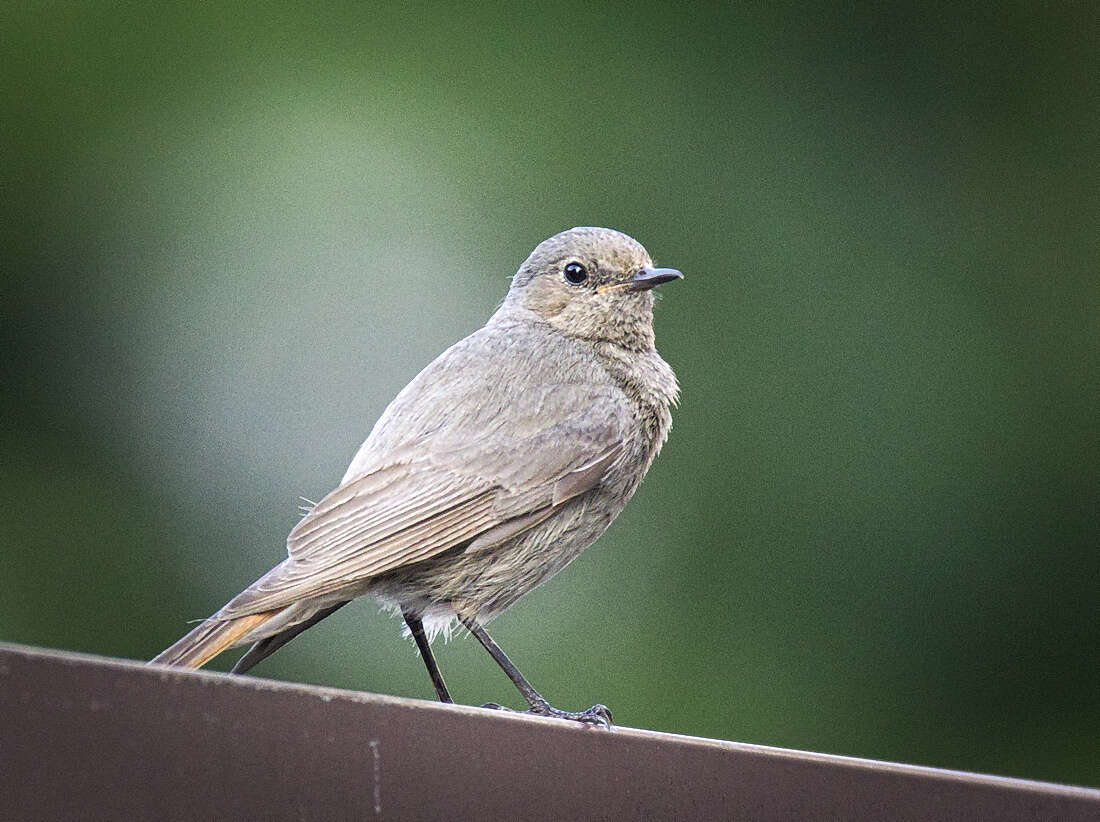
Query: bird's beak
[(644, 280), (647, 278)]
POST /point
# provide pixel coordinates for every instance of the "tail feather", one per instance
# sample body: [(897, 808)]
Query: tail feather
[(209, 639), (270, 644)]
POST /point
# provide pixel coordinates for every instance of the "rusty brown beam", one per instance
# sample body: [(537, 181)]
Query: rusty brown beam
[(85, 737)]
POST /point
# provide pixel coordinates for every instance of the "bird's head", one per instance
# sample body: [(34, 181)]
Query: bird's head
[(591, 283)]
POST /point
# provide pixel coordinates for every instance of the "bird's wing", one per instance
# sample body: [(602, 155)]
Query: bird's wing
[(442, 492)]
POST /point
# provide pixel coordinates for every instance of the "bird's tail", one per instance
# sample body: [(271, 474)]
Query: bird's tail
[(209, 639)]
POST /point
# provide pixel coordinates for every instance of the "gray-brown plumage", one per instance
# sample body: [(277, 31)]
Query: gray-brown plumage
[(494, 468)]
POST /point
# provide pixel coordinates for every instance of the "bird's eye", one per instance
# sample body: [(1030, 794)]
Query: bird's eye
[(575, 273)]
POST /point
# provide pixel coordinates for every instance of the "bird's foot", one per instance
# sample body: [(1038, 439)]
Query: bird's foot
[(596, 715)]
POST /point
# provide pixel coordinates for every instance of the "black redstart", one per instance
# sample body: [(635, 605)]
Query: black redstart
[(493, 469)]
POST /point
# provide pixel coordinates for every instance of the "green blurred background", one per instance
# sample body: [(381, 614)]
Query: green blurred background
[(232, 235)]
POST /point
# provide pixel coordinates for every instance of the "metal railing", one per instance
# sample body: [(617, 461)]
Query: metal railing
[(85, 737)]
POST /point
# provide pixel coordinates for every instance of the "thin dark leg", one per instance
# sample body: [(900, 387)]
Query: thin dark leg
[(416, 626), (597, 714), (533, 697), (269, 645)]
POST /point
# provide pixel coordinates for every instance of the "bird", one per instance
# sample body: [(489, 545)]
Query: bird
[(493, 469)]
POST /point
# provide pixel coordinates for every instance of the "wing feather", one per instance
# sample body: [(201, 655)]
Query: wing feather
[(364, 537), (360, 520)]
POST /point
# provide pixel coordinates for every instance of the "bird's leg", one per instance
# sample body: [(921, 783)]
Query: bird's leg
[(596, 715), (416, 626)]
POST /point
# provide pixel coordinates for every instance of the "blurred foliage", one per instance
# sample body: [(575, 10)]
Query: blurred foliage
[(232, 233)]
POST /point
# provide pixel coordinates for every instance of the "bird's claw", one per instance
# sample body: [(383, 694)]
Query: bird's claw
[(596, 715)]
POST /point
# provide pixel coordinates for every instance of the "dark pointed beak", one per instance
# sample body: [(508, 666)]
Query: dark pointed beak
[(647, 278)]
